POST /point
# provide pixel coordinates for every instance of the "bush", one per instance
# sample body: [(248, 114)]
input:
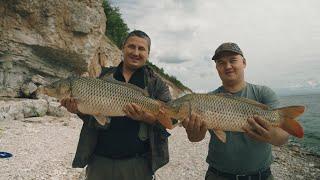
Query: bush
[(117, 30)]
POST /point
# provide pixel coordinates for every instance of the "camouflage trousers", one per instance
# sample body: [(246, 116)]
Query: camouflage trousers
[(102, 168)]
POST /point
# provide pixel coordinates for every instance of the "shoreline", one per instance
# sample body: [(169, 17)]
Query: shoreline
[(44, 147)]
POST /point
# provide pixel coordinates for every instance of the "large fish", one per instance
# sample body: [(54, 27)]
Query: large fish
[(102, 98), (223, 112)]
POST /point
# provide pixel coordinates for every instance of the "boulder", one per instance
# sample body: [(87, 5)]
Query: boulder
[(17, 109), (53, 39)]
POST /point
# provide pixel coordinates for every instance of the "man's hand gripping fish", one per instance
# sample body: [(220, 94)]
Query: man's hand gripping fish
[(223, 112)]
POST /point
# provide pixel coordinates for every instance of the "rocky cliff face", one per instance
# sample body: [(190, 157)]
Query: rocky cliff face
[(53, 39), (41, 41), (175, 91)]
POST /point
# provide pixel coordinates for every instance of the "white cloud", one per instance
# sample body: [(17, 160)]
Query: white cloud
[(313, 83), (280, 39)]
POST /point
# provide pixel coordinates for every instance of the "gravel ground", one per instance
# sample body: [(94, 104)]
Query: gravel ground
[(43, 148), (187, 161)]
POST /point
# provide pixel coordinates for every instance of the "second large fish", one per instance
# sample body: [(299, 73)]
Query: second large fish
[(223, 112)]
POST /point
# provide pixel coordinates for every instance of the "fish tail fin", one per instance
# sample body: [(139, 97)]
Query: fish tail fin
[(288, 123), (165, 115), (172, 117), (185, 110), (178, 115), (166, 121)]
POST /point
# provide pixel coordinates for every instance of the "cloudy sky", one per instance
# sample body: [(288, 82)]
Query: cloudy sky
[(280, 38)]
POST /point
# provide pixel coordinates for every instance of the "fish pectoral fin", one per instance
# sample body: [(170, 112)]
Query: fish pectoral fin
[(221, 135), (102, 120)]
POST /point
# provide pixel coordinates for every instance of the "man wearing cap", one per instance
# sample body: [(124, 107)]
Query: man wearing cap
[(245, 155)]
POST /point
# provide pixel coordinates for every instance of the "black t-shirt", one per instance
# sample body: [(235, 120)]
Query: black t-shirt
[(121, 138)]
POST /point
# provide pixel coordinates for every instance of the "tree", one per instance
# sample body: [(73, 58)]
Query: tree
[(117, 30)]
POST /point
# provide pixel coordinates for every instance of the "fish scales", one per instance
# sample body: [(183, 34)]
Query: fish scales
[(99, 97), (229, 114), (223, 112), (104, 98)]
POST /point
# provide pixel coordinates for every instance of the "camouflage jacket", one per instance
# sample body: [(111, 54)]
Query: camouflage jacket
[(156, 133)]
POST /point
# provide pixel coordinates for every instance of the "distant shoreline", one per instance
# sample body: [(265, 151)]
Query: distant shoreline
[(294, 146), (309, 120), (281, 94), (317, 94)]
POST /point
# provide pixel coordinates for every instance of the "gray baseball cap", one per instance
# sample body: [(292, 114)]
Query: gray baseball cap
[(228, 46)]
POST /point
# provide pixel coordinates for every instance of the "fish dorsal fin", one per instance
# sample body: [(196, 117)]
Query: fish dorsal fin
[(246, 100), (132, 86), (224, 94), (291, 111)]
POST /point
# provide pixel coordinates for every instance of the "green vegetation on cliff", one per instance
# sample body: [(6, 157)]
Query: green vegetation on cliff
[(116, 28), (172, 79)]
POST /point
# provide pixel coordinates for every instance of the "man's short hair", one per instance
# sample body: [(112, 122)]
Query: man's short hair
[(140, 34)]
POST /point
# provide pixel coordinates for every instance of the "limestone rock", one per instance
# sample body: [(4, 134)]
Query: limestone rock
[(28, 89), (17, 109), (35, 108), (54, 109), (52, 38), (39, 80), (42, 41)]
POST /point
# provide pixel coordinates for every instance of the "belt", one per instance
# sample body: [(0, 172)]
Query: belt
[(124, 156), (261, 175)]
